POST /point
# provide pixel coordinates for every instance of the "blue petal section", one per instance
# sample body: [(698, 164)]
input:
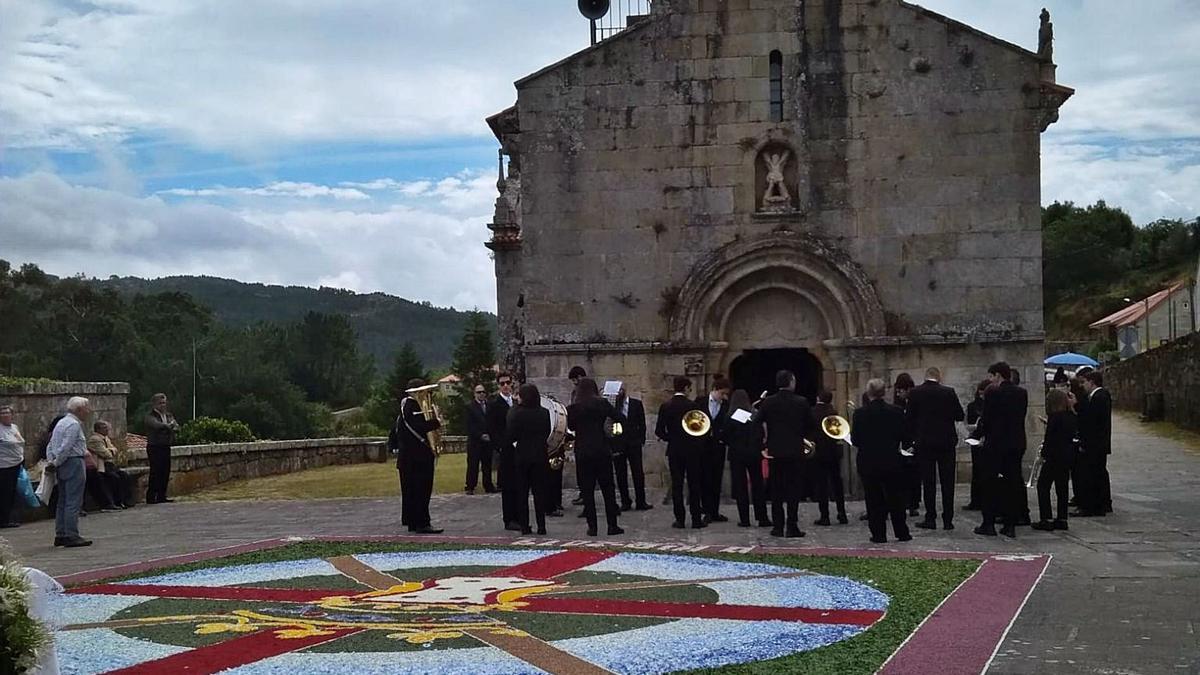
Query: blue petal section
[(100, 650), (432, 662), (243, 574), (463, 558)]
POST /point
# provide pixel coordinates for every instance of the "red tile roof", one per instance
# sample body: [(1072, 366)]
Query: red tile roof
[(1136, 311)]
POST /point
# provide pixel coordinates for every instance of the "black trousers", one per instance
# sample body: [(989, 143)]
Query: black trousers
[(403, 491), (977, 482), (159, 457), (531, 478), (686, 469), (595, 471), (912, 482), (119, 485), (479, 457), (1092, 490), (1003, 482), (787, 482), (937, 467), (8, 493), (1104, 482), (827, 480), (416, 478), (887, 497), (746, 484), (630, 462), (1057, 476), (97, 487), (713, 472), (554, 489), (508, 493)]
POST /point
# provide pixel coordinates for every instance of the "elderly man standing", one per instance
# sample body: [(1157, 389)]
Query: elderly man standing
[(65, 454), (160, 436)]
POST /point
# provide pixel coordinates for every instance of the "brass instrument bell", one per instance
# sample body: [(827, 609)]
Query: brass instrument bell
[(836, 427), (696, 423)]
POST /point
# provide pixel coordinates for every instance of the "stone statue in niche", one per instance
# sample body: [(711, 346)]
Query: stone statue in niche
[(1046, 38), (776, 197)]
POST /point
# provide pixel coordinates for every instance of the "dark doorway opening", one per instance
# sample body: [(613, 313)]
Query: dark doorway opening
[(755, 371)]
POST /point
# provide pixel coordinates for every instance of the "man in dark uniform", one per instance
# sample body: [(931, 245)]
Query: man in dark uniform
[(878, 430), (933, 410), (497, 425), (683, 454), (627, 451), (479, 443), (1094, 497), (576, 374), (787, 420), (1002, 429), (416, 462), (826, 466), (716, 404)]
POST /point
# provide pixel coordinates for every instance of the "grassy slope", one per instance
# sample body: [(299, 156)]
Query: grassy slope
[(1069, 317), (334, 482)]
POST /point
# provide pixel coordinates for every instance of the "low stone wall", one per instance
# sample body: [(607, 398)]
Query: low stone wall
[(1172, 370), (35, 404)]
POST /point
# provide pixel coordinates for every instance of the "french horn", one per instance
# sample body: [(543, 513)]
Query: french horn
[(696, 423)]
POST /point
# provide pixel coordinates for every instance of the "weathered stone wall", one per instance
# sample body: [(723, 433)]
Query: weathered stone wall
[(1172, 371), (36, 404)]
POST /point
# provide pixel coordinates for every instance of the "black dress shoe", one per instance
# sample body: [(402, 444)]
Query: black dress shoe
[(842, 519), (822, 522), (512, 527), (541, 531), (927, 525), (765, 523), (1043, 525), (718, 519), (878, 540), (795, 533), (613, 530), (592, 531), (986, 531), (947, 525), (906, 537), (699, 524), (679, 525), (626, 506), (777, 532), (1060, 525), (428, 530), (526, 530), (1009, 531), (72, 542), (644, 507), (469, 491), (743, 523)]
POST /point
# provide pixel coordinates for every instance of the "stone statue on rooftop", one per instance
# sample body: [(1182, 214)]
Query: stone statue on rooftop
[(1046, 38)]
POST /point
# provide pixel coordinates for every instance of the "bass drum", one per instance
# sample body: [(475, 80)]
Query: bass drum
[(556, 442)]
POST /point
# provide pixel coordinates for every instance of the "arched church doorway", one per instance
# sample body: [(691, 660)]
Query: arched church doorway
[(755, 371)]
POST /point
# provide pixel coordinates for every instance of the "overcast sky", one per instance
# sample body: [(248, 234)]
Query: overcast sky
[(342, 142)]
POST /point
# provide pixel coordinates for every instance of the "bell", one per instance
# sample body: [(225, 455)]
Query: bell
[(593, 9)]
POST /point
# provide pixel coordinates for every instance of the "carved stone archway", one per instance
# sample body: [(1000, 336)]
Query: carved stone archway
[(825, 278)]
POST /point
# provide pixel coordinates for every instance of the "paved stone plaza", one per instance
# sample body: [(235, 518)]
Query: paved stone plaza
[(1122, 594)]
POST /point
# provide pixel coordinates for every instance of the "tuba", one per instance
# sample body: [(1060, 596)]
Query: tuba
[(696, 423), (424, 397)]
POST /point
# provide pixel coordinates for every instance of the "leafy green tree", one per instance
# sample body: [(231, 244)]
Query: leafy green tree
[(323, 359), (1084, 247), (384, 405), (474, 364)]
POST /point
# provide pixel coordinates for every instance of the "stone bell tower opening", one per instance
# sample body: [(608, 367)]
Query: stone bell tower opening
[(755, 371)]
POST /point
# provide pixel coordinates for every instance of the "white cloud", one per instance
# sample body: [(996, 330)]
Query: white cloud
[(404, 248), (276, 189)]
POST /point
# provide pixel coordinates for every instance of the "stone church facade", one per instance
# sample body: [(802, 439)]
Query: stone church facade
[(847, 188)]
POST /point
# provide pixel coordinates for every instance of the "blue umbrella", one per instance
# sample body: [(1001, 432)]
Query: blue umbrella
[(1072, 359)]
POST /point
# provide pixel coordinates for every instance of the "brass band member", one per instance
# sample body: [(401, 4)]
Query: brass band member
[(593, 455), (1059, 452), (974, 413), (497, 425), (826, 466), (1002, 429), (745, 463), (683, 453), (786, 420), (716, 405), (416, 462), (912, 472), (627, 451), (878, 432), (528, 429), (933, 410)]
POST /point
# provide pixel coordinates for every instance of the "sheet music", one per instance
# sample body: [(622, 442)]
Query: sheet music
[(740, 415), (612, 388)]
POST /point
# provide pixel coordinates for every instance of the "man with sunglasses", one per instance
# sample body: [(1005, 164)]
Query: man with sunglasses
[(479, 443), (497, 427)]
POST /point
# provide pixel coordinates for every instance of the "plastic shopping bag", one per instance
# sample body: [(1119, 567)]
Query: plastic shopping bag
[(46, 487), (25, 489)]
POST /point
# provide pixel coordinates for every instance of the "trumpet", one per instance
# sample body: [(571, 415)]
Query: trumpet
[(696, 423), (424, 397)]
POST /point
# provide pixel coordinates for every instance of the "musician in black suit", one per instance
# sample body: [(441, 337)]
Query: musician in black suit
[(716, 404), (878, 431), (479, 443), (416, 462), (786, 420), (587, 416), (627, 451), (1095, 436), (933, 410), (1059, 452), (683, 454), (1002, 429), (826, 467), (497, 424), (912, 470), (528, 428), (745, 443), (974, 413)]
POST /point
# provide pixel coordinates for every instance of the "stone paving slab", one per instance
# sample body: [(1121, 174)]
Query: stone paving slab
[(1122, 594)]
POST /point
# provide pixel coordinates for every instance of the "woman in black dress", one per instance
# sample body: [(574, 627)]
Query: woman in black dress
[(528, 429), (912, 471), (593, 455), (1058, 452)]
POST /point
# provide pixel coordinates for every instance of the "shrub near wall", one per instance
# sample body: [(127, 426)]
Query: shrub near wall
[(1172, 370), (206, 430)]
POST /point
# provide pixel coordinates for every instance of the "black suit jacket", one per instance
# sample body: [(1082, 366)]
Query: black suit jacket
[(477, 425), (878, 432), (1095, 423), (586, 419), (528, 429), (634, 435), (497, 423), (715, 440), (1059, 444), (670, 427), (413, 429), (787, 419), (933, 409), (1002, 426)]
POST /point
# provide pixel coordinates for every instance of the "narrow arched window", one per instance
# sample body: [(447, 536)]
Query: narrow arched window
[(776, 86)]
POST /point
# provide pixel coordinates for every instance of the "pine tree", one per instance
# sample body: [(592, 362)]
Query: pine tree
[(384, 406), (474, 361)]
